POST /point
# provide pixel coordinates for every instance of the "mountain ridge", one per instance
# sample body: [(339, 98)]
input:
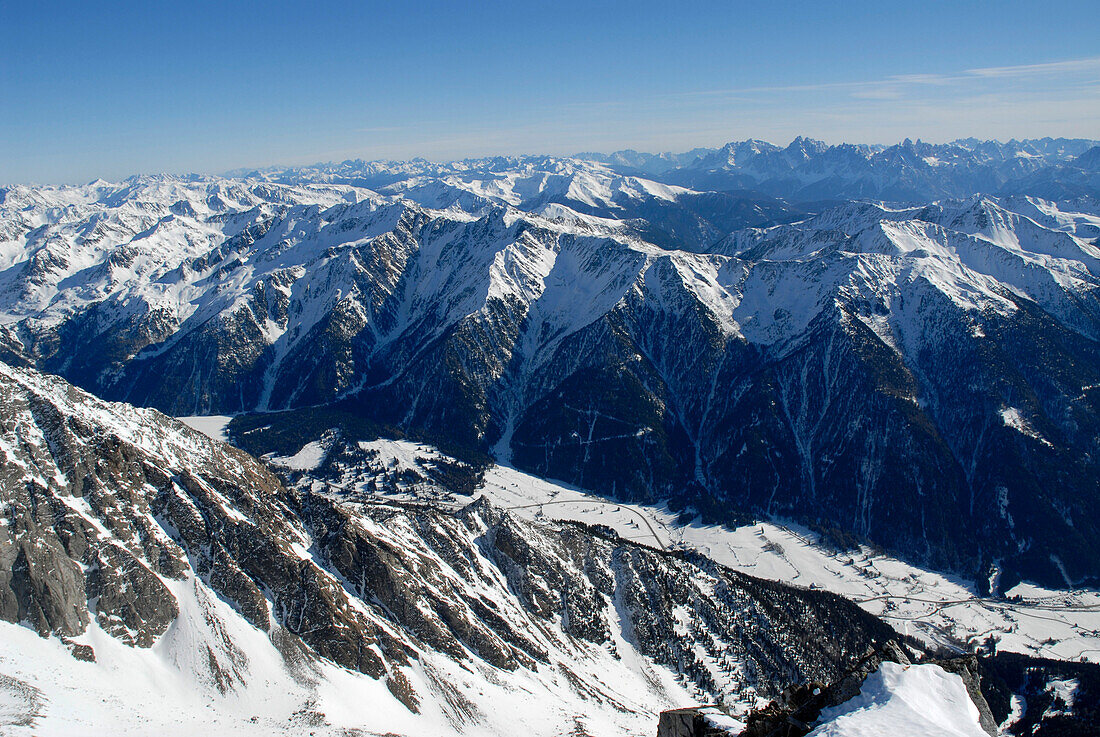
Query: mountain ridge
[(794, 364)]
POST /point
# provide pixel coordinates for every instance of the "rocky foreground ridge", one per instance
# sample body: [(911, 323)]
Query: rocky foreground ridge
[(123, 528)]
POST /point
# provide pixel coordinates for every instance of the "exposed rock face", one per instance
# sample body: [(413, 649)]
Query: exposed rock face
[(690, 722), (421, 565), (105, 503)]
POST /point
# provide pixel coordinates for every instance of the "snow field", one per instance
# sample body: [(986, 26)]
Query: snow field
[(905, 701)]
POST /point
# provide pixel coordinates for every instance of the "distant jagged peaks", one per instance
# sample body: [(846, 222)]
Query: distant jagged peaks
[(907, 172), (1060, 149), (806, 169)]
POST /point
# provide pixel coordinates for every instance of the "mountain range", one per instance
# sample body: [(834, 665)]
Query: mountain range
[(892, 346), (806, 170), (921, 377)]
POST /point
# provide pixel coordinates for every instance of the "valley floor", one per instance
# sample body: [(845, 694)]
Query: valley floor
[(931, 606)]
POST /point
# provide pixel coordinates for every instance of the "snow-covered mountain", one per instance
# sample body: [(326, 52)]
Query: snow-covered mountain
[(152, 579), (907, 172), (645, 162), (805, 170), (921, 377)]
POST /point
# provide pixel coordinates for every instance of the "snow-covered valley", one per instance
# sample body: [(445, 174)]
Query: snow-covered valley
[(934, 607)]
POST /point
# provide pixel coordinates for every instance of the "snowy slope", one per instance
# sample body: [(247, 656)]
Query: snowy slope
[(905, 701)]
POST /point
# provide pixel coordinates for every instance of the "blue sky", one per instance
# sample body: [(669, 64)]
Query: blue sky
[(112, 88)]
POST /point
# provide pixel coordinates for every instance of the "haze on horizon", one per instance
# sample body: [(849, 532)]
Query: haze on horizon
[(93, 91)]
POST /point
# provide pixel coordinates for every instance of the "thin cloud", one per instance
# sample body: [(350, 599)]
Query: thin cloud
[(932, 79), (1072, 66), (878, 93), (872, 88)]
